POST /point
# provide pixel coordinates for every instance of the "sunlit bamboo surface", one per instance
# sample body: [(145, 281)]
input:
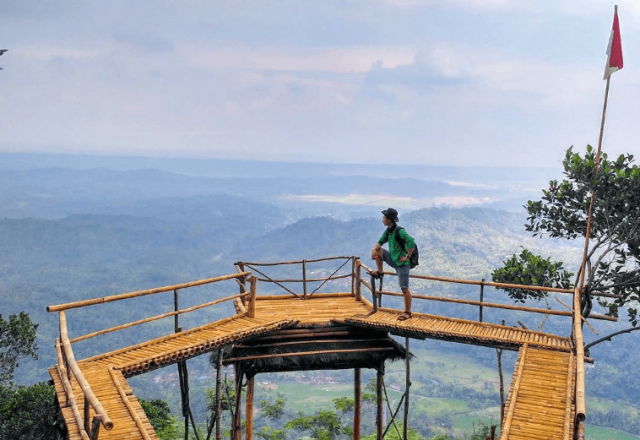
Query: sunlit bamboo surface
[(545, 372)]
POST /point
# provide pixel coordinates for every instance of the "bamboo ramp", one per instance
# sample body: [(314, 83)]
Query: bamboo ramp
[(540, 403), (422, 326), (106, 373)]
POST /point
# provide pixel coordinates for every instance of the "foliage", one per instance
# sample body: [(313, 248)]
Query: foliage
[(411, 435), (269, 433), (273, 410), (533, 270), (30, 413), (159, 415), (17, 341), (614, 252)]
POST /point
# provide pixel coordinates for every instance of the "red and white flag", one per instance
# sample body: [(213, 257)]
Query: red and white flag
[(614, 50)]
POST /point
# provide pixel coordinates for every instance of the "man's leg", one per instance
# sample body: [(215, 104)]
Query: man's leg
[(407, 299)]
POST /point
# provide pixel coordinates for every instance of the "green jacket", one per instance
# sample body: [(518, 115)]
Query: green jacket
[(395, 250)]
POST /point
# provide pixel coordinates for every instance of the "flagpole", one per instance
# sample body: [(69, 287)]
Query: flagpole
[(583, 267)]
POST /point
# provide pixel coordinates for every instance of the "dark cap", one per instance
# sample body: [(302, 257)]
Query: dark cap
[(391, 214)]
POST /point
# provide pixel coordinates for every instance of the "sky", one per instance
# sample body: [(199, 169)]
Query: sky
[(457, 82)]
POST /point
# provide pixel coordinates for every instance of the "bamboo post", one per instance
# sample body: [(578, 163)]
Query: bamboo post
[(581, 412), (373, 294), (95, 428), (219, 395), (357, 405), (87, 409), (175, 309), (481, 299), (380, 408), (353, 275), (407, 387), (358, 278), (249, 408), (237, 424), (251, 311), (304, 279)]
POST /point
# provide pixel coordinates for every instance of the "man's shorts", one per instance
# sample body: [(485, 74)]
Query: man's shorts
[(402, 271)]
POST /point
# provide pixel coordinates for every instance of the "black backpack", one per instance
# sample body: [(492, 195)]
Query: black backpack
[(413, 260)]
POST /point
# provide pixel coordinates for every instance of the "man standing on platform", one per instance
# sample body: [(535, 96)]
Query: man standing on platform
[(401, 246)]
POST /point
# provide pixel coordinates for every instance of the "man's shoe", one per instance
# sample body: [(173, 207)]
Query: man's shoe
[(404, 316), (377, 275)]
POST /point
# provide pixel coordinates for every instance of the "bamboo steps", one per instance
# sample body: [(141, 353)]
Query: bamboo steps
[(540, 403), (544, 372)]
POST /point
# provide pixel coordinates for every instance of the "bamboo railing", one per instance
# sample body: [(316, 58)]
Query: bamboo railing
[(581, 412), (304, 281), (480, 304), (90, 399), (68, 366)]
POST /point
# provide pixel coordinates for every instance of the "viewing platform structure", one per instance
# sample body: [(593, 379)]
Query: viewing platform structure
[(307, 331)]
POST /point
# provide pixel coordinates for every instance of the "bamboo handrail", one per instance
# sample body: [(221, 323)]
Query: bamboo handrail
[(282, 263), (111, 298), (89, 396), (514, 394), (581, 412), (155, 318), (484, 304), (71, 400), (568, 435), (132, 411)]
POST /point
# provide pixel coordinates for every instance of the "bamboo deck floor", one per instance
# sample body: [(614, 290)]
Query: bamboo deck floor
[(272, 314), (543, 407)]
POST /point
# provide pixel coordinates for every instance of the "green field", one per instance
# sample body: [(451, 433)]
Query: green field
[(596, 433)]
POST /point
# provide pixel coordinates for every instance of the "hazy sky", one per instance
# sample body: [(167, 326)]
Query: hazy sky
[(486, 82)]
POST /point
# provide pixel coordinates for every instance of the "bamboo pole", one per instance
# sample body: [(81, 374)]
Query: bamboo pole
[(379, 407), (251, 311), (407, 387), (358, 278), (581, 412), (481, 300), (568, 435), (72, 401), (155, 318), (373, 294), (249, 408), (111, 298), (514, 393), (481, 283), (357, 405), (308, 353), (304, 278), (84, 385), (309, 280), (125, 400), (288, 297), (219, 395)]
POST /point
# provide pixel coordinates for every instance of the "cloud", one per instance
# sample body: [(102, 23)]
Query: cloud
[(147, 43)]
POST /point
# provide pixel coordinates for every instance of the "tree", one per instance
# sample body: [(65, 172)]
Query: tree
[(613, 259), (159, 415), (17, 341), (30, 413)]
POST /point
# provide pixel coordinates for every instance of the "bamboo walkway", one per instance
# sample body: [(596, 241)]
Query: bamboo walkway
[(540, 403), (545, 369)]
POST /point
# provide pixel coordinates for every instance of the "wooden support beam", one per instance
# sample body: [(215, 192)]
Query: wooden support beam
[(379, 406), (407, 387), (219, 394), (251, 311), (307, 353), (249, 408), (357, 405)]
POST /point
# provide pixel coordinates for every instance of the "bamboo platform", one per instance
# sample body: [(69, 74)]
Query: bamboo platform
[(107, 373), (540, 403)]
